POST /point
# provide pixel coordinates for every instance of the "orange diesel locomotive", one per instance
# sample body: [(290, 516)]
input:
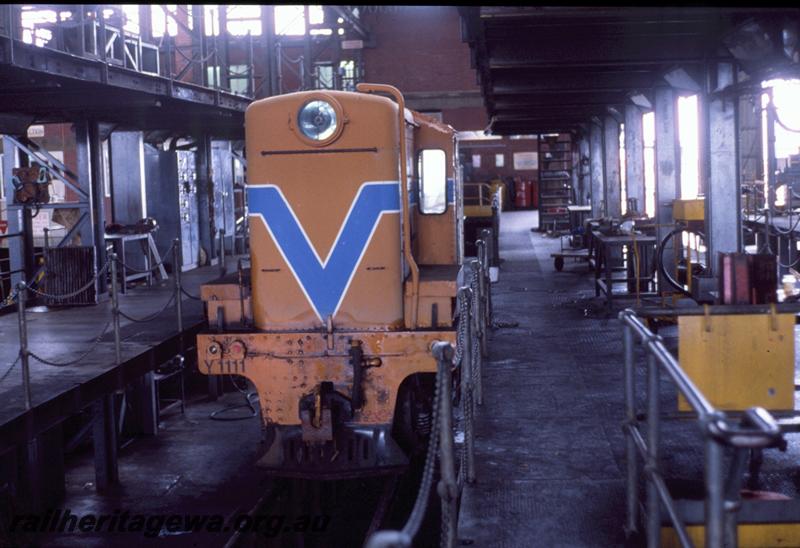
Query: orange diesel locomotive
[(352, 278)]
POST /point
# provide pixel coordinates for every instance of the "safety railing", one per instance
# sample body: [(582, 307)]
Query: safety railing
[(465, 361), (479, 194), (756, 429), (102, 32), (23, 289)]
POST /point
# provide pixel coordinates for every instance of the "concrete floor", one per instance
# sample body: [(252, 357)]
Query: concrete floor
[(550, 450), (549, 443), (193, 466)]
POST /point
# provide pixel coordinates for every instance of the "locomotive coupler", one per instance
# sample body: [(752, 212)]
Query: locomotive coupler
[(322, 412)]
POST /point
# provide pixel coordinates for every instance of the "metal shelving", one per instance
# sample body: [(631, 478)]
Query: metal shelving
[(555, 181)]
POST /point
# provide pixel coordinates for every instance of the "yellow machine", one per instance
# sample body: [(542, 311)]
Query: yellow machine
[(352, 279), (689, 210)]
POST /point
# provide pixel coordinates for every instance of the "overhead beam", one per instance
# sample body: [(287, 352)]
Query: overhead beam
[(603, 50)]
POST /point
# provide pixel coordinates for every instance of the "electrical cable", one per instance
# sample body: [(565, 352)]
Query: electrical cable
[(660, 258), (248, 396)]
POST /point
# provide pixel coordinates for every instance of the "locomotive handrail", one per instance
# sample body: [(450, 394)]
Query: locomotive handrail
[(401, 116)]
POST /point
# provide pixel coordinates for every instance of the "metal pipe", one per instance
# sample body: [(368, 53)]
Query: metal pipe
[(240, 270), (653, 426), (115, 308), (715, 501), (684, 384), (22, 288), (630, 415), (401, 120), (769, 194), (718, 310)]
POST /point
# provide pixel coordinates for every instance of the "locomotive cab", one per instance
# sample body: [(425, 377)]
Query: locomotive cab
[(355, 220)]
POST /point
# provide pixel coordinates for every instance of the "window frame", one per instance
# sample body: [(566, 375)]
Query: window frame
[(417, 167)]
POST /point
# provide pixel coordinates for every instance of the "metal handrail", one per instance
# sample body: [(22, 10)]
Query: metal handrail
[(481, 197), (758, 429)]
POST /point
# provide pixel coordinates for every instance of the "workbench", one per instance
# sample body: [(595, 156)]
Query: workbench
[(605, 257), (151, 257)]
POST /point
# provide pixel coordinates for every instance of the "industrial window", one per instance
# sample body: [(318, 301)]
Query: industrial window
[(212, 76), (244, 19), (238, 79), (348, 75), (291, 20), (622, 181), (211, 19), (499, 160), (163, 17), (689, 146), (131, 18), (432, 172), (323, 74), (32, 21)]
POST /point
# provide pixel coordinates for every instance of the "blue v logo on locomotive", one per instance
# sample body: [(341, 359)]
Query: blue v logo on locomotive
[(325, 282)]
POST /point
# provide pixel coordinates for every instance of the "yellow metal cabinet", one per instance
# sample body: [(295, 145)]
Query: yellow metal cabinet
[(739, 361)]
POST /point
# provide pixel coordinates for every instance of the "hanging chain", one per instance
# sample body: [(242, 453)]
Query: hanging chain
[(76, 360), (151, 317), (11, 368)]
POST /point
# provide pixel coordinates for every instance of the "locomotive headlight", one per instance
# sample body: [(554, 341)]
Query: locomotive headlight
[(317, 120)]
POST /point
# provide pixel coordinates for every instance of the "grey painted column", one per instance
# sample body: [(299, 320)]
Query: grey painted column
[(667, 171), (634, 156), (722, 192), (205, 197), (89, 183), (575, 181), (16, 246), (596, 169), (98, 194), (613, 184), (750, 154), (584, 172)]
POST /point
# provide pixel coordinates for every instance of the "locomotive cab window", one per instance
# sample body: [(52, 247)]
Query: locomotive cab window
[(432, 172)]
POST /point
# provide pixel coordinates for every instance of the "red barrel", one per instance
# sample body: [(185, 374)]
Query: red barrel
[(522, 198)]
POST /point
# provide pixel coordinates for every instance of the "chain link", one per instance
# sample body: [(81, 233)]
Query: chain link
[(79, 358), (11, 368), (150, 317), (414, 522)]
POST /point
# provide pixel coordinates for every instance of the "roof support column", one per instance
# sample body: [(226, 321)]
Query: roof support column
[(613, 186), (596, 169), (584, 173), (667, 171), (205, 197), (634, 156), (97, 200), (722, 191)]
